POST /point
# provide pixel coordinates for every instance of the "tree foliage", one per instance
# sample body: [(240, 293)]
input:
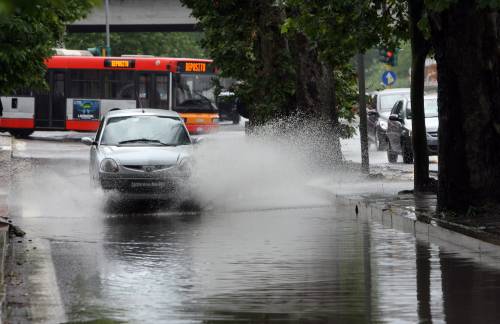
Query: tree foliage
[(28, 32), (155, 43), (269, 45), (244, 38)]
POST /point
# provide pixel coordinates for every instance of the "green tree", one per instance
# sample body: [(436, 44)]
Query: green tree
[(156, 43), (28, 32), (244, 38)]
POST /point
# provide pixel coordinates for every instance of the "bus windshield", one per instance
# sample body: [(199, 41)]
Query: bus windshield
[(195, 93)]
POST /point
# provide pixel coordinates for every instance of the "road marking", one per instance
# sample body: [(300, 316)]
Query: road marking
[(46, 303)]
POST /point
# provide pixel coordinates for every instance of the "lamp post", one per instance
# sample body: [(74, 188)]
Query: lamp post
[(106, 6)]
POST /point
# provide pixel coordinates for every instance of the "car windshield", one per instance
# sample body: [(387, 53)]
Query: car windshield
[(430, 108), (144, 130), (195, 92), (388, 101)]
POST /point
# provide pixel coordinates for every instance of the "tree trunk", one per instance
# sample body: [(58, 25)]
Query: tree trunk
[(419, 51), (315, 94), (363, 128), (466, 42)]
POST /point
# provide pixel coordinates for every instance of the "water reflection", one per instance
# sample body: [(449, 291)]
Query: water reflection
[(299, 265), (471, 293)]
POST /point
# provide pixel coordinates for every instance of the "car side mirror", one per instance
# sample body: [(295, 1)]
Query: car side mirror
[(88, 141), (394, 117), (372, 112), (197, 140)]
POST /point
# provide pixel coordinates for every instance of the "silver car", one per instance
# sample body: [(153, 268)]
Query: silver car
[(140, 151)]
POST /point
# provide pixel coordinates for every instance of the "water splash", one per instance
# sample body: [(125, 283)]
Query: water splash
[(266, 168)]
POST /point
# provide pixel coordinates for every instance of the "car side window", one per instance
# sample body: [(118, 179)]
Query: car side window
[(397, 108), (401, 111), (373, 103)]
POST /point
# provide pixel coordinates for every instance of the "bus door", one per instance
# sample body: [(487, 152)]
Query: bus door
[(50, 107), (144, 90), (153, 90), (160, 95)]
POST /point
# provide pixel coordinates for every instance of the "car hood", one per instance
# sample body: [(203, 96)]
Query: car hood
[(145, 155)]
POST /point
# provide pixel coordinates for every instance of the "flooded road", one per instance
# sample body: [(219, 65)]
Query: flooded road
[(273, 259)]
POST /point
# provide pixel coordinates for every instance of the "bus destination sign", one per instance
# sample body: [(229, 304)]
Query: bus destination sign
[(121, 64), (193, 67)]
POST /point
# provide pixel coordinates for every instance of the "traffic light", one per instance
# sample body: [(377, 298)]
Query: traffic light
[(388, 57)]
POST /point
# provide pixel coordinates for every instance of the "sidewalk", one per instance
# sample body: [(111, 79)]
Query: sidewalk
[(416, 214)]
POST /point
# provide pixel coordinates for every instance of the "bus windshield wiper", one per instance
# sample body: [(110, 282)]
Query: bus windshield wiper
[(145, 140)]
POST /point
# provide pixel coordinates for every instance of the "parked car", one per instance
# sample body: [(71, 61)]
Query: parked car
[(140, 151), (399, 129), (379, 111)]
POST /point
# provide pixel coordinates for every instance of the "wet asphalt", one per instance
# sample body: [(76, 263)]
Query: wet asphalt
[(307, 261)]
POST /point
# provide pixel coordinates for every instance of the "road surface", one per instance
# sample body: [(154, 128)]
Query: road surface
[(274, 251)]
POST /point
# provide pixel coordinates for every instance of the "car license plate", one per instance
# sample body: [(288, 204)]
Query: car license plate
[(147, 184)]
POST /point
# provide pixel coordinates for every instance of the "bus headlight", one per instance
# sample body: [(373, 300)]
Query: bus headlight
[(109, 165)]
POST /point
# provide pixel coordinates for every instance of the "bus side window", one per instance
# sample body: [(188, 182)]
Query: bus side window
[(119, 85), (85, 84), (162, 90)]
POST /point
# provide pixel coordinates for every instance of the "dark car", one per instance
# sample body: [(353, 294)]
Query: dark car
[(399, 129), (378, 114)]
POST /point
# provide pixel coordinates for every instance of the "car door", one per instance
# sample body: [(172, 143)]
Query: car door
[(395, 126)]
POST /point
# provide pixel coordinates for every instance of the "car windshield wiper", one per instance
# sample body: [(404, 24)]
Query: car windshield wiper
[(145, 140)]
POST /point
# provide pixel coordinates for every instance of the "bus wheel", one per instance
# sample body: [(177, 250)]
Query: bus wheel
[(21, 133)]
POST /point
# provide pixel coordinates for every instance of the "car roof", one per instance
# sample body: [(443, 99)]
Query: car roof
[(140, 112)]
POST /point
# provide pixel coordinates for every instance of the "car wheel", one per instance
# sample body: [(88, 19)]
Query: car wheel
[(407, 153), (392, 157)]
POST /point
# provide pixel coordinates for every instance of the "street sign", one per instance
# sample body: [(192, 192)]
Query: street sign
[(389, 78)]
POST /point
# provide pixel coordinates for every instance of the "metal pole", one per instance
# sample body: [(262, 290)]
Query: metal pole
[(365, 163), (106, 4)]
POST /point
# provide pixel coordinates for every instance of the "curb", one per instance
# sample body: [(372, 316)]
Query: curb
[(425, 227), (5, 176)]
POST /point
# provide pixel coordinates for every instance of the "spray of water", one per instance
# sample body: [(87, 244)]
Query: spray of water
[(265, 169)]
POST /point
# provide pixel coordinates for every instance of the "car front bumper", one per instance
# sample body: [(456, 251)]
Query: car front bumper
[(128, 184)]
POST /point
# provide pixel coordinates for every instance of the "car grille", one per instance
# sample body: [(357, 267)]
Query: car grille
[(148, 168)]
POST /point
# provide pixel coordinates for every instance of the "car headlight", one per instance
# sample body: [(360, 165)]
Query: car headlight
[(383, 124), (109, 165), (184, 167)]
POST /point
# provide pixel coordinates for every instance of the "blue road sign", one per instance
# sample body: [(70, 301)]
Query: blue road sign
[(389, 78)]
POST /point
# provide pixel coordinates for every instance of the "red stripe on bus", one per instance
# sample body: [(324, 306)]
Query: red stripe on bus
[(82, 125), (97, 62), (17, 123)]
